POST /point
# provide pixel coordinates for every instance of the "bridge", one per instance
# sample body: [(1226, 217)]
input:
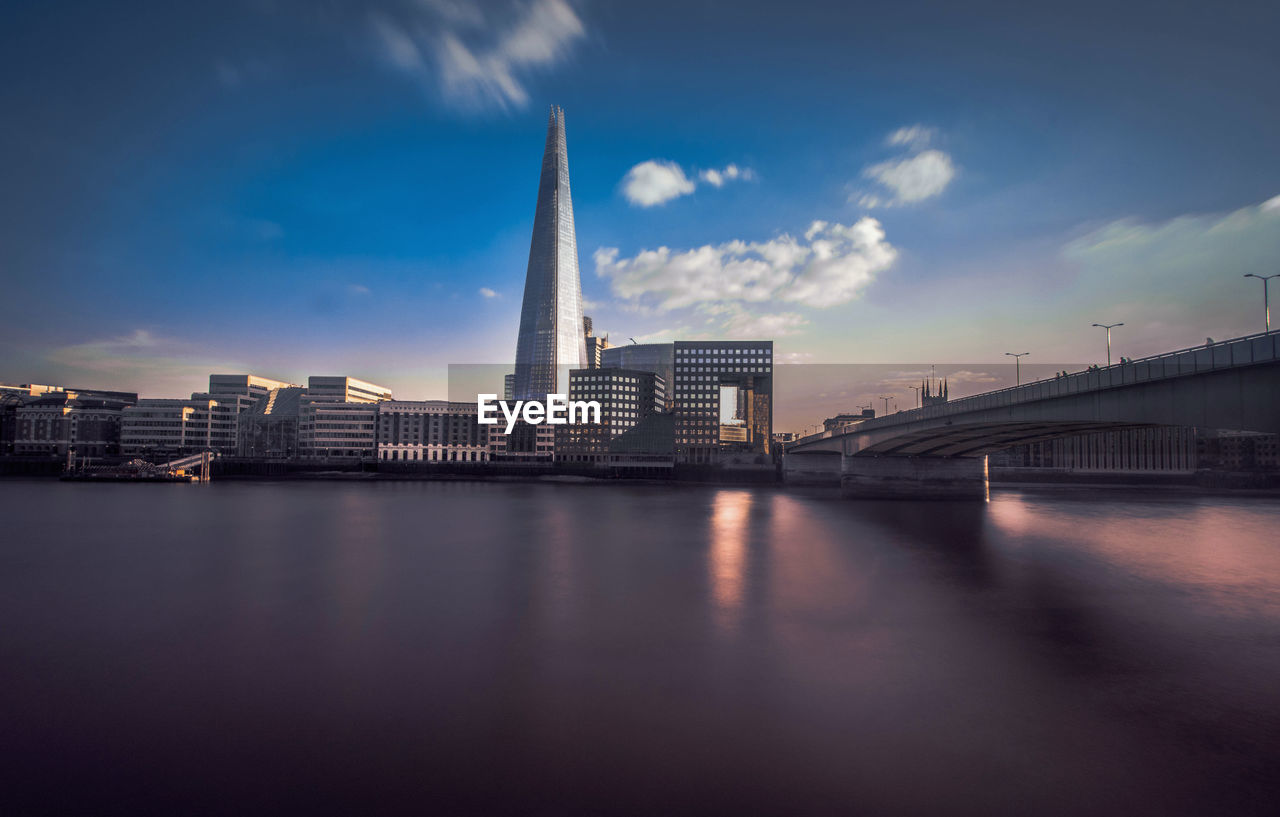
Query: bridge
[(941, 451)]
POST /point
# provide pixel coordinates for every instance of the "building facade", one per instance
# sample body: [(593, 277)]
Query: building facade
[(431, 431), (659, 358), (626, 397), (158, 428), (550, 341), (723, 399), (269, 428), (1139, 450), (58, 422), (338, 418)]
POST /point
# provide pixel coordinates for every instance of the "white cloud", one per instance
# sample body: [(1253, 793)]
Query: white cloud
[(476, 57), (831, 265), (488, 293), (739, 324), (731, 172), (655, 182), (915, 137), (914, 178), (658, 181)]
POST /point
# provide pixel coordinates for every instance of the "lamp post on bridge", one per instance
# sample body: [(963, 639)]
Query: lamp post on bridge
[(886, 403), (917, 391), (1017, 364), (1266, 303), (1108, 327)]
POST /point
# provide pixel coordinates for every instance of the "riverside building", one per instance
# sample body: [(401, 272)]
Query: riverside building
[(431, 431), (627, 398), (723, 398), (338, 418), (209, 421), (84, 421)]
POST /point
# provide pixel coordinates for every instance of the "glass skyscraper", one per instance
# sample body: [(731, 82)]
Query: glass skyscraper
[(551, 339)]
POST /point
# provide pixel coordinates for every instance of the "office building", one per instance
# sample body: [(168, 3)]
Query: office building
[(338, 418), (431, 431), (723, 399), (54, 421), (626, 398), (550, 341), (248, 385), (848, 419), (159, 428), (658, 358), (345, 390), (595, 345), (269, 428)]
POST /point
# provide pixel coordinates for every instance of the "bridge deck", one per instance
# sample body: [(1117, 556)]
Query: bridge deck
[(1235, 353)]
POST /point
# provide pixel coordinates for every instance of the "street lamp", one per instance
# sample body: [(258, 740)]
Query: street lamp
[(1017, 364), (1266, 304), (1108, 327), (917, 391), (886, 403)]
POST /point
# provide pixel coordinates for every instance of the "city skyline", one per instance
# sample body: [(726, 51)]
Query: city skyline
[(358, 202)]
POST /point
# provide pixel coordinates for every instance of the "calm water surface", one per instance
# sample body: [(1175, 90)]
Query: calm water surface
[(483, 648)]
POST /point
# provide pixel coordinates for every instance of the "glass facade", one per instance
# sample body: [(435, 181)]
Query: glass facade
[(551, 340)]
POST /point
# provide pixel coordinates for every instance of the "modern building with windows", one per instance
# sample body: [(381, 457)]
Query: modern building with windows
[(723, 397), (338, 418), (269, 428), (345, 390), (160, 428), (550, 341), (626, 397), (431, 431), (659, 358), (208, 421)]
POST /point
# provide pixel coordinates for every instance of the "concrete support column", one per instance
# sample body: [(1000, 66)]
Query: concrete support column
[(914, 478), (812, 468)]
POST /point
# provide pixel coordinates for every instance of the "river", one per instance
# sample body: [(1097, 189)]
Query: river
[(528, 648)]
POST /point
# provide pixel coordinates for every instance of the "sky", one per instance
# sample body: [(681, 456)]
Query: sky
[(291, 188)]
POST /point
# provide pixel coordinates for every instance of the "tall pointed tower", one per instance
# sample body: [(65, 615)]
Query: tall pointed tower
[(551, 338)]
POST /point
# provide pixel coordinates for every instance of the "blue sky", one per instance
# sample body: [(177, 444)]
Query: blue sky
[(296, 188)]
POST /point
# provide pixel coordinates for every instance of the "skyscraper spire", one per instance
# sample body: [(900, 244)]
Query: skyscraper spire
[(551, 339)]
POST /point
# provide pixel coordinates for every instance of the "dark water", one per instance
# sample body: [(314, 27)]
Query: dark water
[(479, 648)]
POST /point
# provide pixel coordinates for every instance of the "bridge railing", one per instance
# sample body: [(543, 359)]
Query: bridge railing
[(1244, 351)]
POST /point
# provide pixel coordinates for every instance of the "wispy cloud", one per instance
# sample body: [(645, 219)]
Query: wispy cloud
[(486, 292), (921, 175), (916, 137), (830, 264), (1175, 282), (657, 181), (478, 57), (140, 360)]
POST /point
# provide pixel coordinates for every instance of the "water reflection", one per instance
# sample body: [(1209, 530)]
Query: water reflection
[(727, 553)]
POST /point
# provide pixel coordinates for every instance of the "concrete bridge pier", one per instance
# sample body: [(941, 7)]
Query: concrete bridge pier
[(870, 477), (812, 468)]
